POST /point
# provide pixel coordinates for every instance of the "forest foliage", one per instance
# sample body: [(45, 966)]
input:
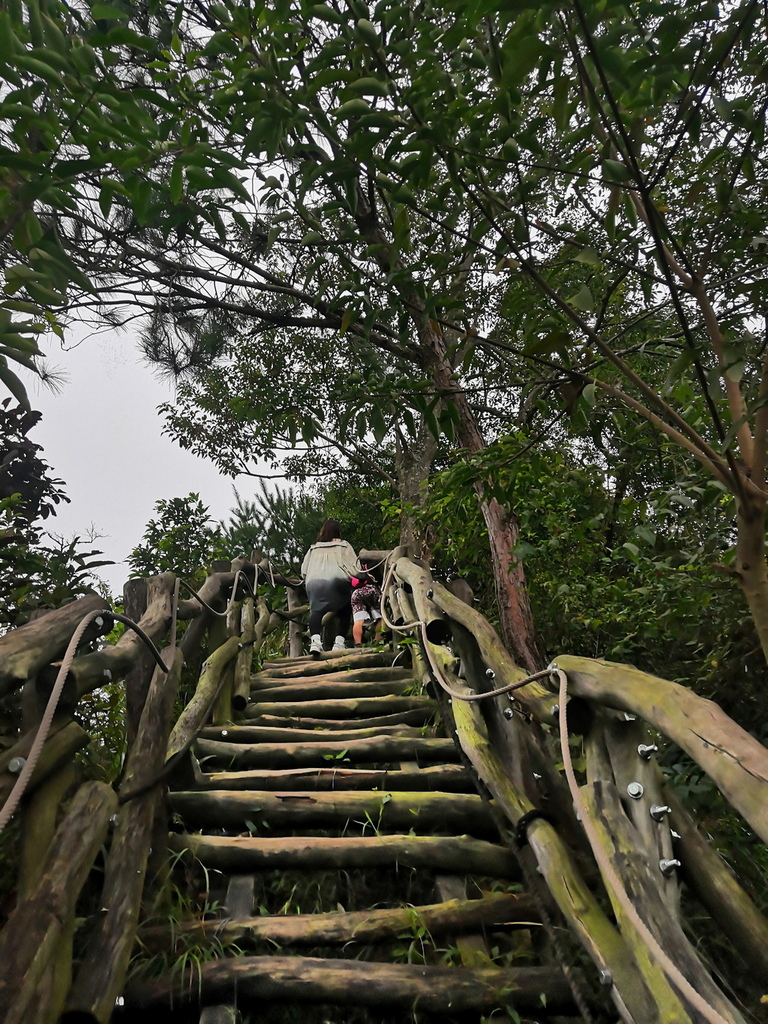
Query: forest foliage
[(520, 252)]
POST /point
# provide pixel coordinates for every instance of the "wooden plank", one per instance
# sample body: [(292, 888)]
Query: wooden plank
[(452, 854), (416, 716)]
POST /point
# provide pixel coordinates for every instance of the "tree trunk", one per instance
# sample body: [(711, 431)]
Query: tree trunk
[(751, 565), (413, 463), (515, 615)]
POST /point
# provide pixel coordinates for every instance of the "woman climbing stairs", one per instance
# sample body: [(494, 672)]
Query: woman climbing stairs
[(362, 874)]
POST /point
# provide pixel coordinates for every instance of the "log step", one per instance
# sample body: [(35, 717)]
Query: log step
[(361, 675), (336, 689), (416, 716), (275, 734), (449, 854), (363, 927), (340, 709), (383, 749), (453, 990), (445, 778), (379, 811), (284, 668)]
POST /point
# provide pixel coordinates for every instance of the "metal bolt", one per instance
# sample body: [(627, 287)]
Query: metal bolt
[(552, 666), (554, 710), (667, 867), (16, 764), (658, 811), (675, 835), (107, 674), (224, 732), (635, 790), (490, 674), (536, 776), (605, 977), (99, 621), (629, 718), (508, 713), (430, 594), (646, 749), (113, 820)]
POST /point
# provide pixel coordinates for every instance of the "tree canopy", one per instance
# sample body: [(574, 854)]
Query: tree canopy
[(374, 227)]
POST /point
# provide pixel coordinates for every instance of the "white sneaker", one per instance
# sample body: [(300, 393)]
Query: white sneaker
[(340, 644), (316, 645)]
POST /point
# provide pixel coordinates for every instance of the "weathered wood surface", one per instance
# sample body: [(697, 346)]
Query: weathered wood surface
[(534, 698), (623, 846), (244, 734), (447, 778), (90, 671), (351, 707), (214, 591), (38, 813), (61, 744), (318, 691), (453, 854), (330, 661), (416, 716), (105, 962), (137, 678), (198, 708), (598, 935), (34, 929), (28, 649), (381, 811), (363, 927), (255, 980), (735, 761), (251, 634), (714, 885), (303, 755)]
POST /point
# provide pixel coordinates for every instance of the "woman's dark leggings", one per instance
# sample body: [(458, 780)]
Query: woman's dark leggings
[(344, 615)]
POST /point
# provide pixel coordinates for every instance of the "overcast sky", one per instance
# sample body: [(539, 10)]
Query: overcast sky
[(102, 436)]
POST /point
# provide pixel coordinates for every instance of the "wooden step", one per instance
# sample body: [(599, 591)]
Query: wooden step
[(380, 811), (360, 675), (274, 734), (282, 979), (416, 716), (338, 928), (445, 778), (242, 756), (450, 854), (328, 662), (336, 689), (348, 708)]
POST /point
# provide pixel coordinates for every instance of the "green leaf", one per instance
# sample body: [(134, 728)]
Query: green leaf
[(615, 170), (107, 12), (583, 300)]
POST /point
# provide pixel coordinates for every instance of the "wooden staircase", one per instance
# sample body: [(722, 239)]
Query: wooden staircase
[(360, 876)]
